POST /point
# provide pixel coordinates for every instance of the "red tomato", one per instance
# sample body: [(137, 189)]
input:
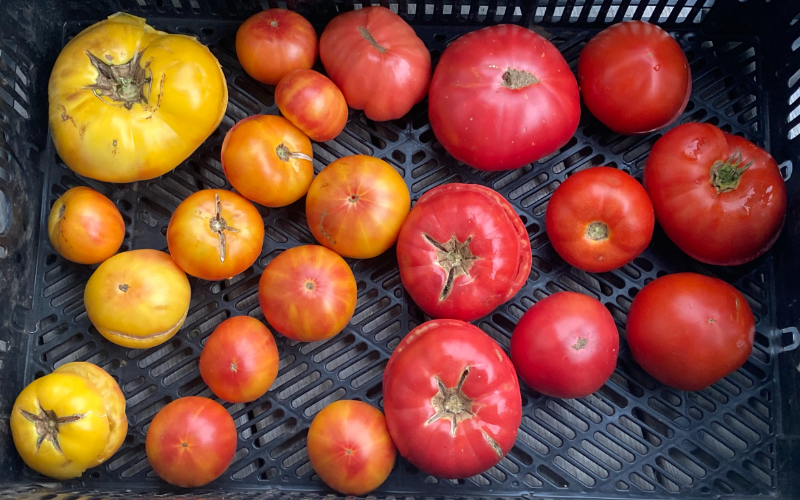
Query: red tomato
[(565, 346), (313, 103), (719, 197), (463, 251), (502, 97), (451, 399), (634, 77), (350, 447), (377, 60), (689, 331), (599, 219), (275, 42), (191, 441), (239, 361), (215, 234), (268, 160), (308, 293)]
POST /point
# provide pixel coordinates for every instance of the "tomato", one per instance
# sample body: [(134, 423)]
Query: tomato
[(599, 219), (313, 103), (357, 205), (308, 293), (634, 77), (565, 346), (85, 226), (689, 331), (215, 234), (350, 448), (239, 361), (68, 421), (377, 60), (273, 43), (463, 251), (138, 299), (268, 160), (191, 441), (129, 103), (502, 97)]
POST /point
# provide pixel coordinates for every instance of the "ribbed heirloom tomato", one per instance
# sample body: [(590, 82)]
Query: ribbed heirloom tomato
[(313, 103)]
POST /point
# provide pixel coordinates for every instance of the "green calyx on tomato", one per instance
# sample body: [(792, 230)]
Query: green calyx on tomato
[(121, 82), (725, 176)]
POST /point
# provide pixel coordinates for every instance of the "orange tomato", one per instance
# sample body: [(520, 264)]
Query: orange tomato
[(357, 205), (313, 103)]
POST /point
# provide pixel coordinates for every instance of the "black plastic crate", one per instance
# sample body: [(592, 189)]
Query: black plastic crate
[(634, 438)]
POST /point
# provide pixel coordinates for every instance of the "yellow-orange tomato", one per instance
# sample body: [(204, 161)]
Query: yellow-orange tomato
[(308, 293), (357, 205), (69, 421), (85, 226), (313, 103), (268, 160), (138, 299), (350, 447)]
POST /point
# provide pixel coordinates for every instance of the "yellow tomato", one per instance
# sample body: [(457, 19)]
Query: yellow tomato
[(129, 103)]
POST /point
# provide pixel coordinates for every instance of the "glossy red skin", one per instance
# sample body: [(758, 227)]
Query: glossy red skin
[(492, 127), (313, 103), (599, 194), (384, 84), (565, 346), (191, 441), (725, 229), (499, 240), (689, 331), (634, 77)]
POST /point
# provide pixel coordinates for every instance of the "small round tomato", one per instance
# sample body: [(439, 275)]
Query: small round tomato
[(215, 234), (308, 293), (350, 447), (239, 361), (268, 160), (275, 42), (463, 251), (191, 441), (599, 219), (313, 103), (138, 299), (565, 346), (85, 226), (357, 205), (689, 331)]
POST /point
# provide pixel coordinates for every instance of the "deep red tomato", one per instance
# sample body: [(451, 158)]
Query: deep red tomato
[(191, 441), (377, 60), (275, 42), (599, 219), (350, 447), (689, 331), (463, 251), (565, 346), (719, 197), (634, 77), (502, 97), (239, 361), (452, 399), (313, 103)]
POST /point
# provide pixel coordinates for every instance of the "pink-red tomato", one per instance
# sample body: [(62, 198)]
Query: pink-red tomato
[(313, 103)]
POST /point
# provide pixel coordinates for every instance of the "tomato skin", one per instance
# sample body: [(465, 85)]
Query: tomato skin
[(634, 77), (275, 42), (239, 361), (313, 103), (725, 229), (565, 345), (308, 293), (689, 331), (191, 441), (350, 447), (384, 83), (599, 197), (85, 227), (488, 125), (448, 349), (498, 247)]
